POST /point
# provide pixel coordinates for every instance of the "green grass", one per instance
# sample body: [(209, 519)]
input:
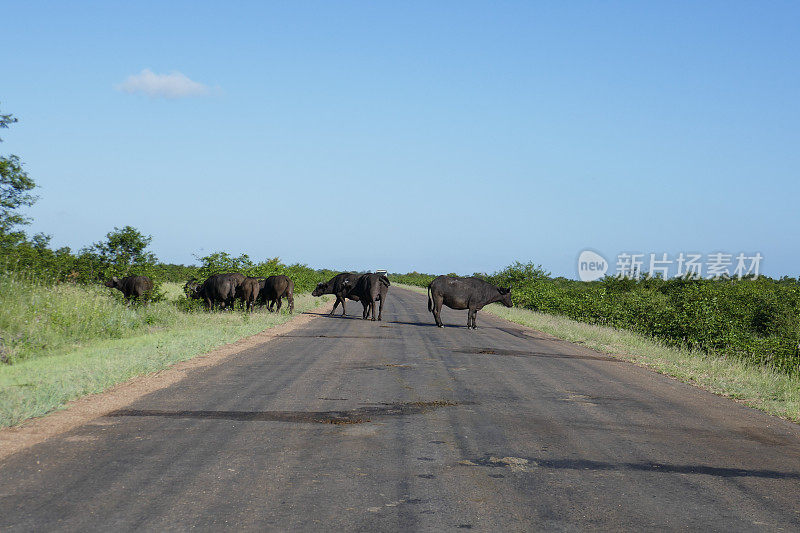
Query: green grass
[(66, 341), (773, 392), (37, 320)]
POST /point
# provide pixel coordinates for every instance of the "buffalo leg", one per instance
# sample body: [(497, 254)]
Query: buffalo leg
[(336, 304), (278, 309), (291, 304), (437, 311)]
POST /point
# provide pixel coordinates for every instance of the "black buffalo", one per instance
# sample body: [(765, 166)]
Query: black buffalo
[(274, 288), (190, 289), (248, 290), (238, 279), (369, 289), (464, 293), (218, 288), (341, 286), (132, 287)]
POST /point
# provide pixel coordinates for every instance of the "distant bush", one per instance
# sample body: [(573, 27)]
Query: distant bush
[(412, 278)]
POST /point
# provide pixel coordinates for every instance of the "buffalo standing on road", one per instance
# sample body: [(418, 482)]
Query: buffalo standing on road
[(371, 288), (464, 293), (131, 286), (340, 285), (274, 288)]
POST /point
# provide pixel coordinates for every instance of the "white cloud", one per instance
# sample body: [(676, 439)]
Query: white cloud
[(172, 85)]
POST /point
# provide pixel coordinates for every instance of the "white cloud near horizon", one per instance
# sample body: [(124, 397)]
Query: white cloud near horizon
[(172, 85)]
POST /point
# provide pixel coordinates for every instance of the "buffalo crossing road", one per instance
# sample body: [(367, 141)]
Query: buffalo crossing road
[(344, 424)]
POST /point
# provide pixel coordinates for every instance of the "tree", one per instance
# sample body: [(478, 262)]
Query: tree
[(14, 186), (125, 250)]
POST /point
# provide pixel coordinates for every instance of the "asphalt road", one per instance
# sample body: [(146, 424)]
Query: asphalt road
[(346, 424)]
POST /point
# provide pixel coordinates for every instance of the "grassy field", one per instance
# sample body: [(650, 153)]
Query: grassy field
[(65, 341), (774, 392)]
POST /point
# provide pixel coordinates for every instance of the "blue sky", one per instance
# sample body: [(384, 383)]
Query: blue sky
[(429, 136)]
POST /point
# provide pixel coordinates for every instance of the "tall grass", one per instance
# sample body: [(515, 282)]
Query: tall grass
[(38, 319)]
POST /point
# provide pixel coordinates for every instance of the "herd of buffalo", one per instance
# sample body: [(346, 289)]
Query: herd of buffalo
[(222, 290)]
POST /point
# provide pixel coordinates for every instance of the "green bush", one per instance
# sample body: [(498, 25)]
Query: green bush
[(412, 278), (753, 320)]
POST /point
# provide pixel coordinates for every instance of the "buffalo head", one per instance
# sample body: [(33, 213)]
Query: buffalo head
[(114, 283), (320, 289), (506, 296), (193, 289)]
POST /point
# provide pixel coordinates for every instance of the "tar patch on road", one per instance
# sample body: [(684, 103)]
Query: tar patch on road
[(333, 337), (525, 464), (522, 353), (342, 417)]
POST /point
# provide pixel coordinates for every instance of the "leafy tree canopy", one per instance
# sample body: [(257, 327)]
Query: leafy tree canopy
[(14, 186), (124, 249)]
